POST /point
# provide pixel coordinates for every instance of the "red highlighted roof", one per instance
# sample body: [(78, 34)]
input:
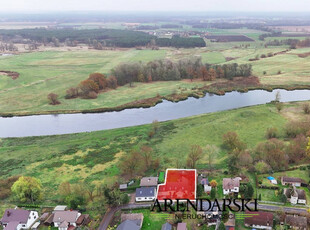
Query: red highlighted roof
[(179, 184)]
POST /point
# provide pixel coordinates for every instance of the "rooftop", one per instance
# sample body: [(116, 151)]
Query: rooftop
[(179, 184), (259, 218), (146, 192), (19, 215), (149, 181), (230, 183)]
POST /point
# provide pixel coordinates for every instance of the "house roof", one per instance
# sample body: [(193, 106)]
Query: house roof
[(69, 216), (259, 218), (12, 225), (82, 218), (293, 192), (181, 226), (291, 179), (296, 221), (166, 226), (122, 186), (230, 183), (44, 216), (128, 225), (137, 218), (64, 224), (49, 220), (19, 215), (204, 181), (146, 192), (149, 181), (60, 208)]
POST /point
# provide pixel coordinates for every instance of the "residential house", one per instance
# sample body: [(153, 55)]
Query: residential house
[(145, 194), (260, 220), (209, 209), (166, 226), (231, 185), (295, 196), (181, 226), (149, 182), (291, 181), (296, 222), (205, 183), (132, 221), (65, 219), (16, 219)]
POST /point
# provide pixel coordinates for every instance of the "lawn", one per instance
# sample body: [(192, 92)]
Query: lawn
[(152, 220)]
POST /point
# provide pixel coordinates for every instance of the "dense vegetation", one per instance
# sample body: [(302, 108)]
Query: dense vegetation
[(97, 38), (167, 70), (178, 42)]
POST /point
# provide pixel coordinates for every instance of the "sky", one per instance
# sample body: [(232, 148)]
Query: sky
[(156, 5)]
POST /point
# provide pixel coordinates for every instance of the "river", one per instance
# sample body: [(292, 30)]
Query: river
[(39, 125)]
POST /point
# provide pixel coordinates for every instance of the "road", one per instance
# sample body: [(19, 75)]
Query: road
[(109, 215)]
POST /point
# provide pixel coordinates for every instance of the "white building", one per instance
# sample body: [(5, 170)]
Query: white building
[(231, 185), (64, 219), (145, 194)]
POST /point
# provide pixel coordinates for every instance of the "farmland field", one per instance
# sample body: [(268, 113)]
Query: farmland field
[(58, 69)]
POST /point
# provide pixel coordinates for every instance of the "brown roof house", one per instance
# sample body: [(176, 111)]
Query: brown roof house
[(291, 181), (149, 181), (231, 185), (295, 196), (131, 221), (262, 220), (296, 222), (63, 220), (15, 219)]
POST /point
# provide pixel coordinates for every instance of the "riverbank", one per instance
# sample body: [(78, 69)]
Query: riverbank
[(215, 88)]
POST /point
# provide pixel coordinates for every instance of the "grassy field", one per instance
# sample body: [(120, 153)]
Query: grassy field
[(57, 70), (96, 156)]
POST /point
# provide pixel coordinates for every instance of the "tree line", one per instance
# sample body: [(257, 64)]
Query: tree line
[(167, 70), (97, 38), (181, 42)]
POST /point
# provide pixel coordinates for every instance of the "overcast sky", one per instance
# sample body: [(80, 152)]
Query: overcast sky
[(155, 5)]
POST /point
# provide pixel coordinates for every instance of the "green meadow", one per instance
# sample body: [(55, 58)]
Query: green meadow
[(96, 156)]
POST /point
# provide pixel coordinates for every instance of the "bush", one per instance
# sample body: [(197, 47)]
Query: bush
[(92, 95), (264, 72), (306, 108), (72, 93), (263, 56), (53, 99), (231, 141), (272, 133)]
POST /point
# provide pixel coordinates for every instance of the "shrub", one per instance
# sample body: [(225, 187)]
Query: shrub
[(264, 72), (263, 56), (53, 99), (306, 108), (87, 86), (92, 95), (271, 133), (72, 93), (279, 72), (231, 141), (99, 79)]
